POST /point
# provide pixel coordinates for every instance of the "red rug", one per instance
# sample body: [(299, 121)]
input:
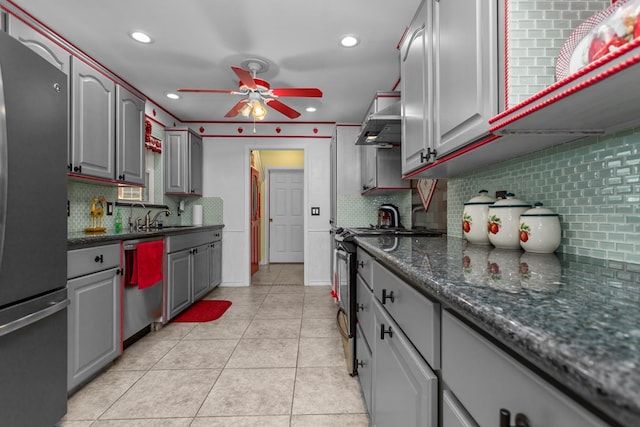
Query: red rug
[(203, 311)]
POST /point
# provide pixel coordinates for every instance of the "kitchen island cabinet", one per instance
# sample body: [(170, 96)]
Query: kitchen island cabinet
[(551, 341), (94, 313)]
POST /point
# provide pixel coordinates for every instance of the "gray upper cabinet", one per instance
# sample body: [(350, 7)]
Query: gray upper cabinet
[(93, 122), (381, 169), (466, 71), (183, 162), (449, 75), (417, 90), (42, 45), (130, 166)]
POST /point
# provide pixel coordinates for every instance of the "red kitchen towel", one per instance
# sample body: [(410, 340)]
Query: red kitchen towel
[(148, 265)]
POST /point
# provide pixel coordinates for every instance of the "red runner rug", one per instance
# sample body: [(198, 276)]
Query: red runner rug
[(203, 311)]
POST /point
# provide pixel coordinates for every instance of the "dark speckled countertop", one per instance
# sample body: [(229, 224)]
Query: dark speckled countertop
[(575, 320), (80, 239)]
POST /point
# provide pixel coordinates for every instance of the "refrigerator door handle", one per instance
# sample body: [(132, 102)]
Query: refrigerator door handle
[(14, 325), (4, 167)]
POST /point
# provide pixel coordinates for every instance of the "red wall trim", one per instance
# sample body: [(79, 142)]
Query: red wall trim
[(153, 119), (204, 135), (506, 54), (250, 122)]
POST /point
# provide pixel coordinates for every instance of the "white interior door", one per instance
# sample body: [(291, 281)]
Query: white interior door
[(286, 221)]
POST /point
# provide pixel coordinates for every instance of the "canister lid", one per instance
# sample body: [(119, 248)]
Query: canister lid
[(538, 210), (482, 199), (510, 202)]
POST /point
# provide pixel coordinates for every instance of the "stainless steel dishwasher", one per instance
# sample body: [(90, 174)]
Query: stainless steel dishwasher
[(141, 307)]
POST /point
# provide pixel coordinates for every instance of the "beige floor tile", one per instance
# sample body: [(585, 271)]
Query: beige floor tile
[(243, 298), (279, 311), (251, 392), (321, 352), (319, 328), (223, 328), (242, 311), (340, 420), (198, 354), (317, 290), (287, 289), (326, 391), (97, 396), (264, 353), (284, 298), (316, 308), (74, 424), (165, 422), (143, 354), (164, 394), (253, 421), (273, 328), (171, 331)]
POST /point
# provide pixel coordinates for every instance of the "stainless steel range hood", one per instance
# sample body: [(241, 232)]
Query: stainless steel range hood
[(381, 125)]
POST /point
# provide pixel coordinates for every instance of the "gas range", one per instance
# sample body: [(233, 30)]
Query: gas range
[(347, 234)]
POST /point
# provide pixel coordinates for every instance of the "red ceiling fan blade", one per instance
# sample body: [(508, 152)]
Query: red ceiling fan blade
[(191, 89), (245, 77), (284, 109), (235, 110), (306, 92)]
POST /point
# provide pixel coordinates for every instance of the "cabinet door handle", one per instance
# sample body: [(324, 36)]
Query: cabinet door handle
[(121, 177), (388, 332), (360, 363), (505, 419), (99, 258), (361, 264), (78, 169), (386, 296), (359, 308)]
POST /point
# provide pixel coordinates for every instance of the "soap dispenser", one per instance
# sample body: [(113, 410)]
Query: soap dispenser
[(118, 221)]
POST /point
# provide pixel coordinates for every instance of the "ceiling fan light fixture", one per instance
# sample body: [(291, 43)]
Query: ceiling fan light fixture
[(349, 40), (141, 37), (259, 111)]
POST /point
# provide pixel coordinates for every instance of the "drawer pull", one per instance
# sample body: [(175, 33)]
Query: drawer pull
[(386, 297), (383, 332), (99, 258), (505, 419)]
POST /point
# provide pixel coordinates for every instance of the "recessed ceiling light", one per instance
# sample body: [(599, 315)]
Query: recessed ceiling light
[(173, 96), (349, 40), (311, 109), (141, 37)]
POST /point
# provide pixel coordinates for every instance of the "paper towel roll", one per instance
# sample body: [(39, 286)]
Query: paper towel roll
[(197, 215)]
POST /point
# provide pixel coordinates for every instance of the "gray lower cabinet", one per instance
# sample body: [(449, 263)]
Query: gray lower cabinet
[(453, 413), (94, 319), (178, 282), (405, 389), (215, 263), (194, 267), (364, 360), (500, 382)]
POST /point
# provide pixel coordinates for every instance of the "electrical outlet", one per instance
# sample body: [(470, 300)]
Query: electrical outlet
[(109, 208), (315, 211)]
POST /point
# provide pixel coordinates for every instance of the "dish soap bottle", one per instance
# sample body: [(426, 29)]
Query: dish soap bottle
[(118, 221)]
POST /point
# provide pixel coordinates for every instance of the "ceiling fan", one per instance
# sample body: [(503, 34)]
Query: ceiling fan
[(259, 93)]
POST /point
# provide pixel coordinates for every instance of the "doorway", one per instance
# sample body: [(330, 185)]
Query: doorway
[(281, 192)]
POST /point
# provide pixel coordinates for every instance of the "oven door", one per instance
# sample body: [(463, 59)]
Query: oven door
[(345, 271)]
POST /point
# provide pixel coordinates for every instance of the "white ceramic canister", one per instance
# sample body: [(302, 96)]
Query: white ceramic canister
[(540, 230), (504, 222), (474, 217)]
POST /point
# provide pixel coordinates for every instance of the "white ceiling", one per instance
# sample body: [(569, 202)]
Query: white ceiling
[(196, 41)]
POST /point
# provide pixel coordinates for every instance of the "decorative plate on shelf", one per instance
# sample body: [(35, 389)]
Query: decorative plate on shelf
[(575, 51)]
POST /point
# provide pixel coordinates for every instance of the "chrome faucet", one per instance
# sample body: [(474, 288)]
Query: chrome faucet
[(152, 222), (131, 223)]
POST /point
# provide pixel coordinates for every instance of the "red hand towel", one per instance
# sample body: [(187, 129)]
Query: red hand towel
[(148, 267)]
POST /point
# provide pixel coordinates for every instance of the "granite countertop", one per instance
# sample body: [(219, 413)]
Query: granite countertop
[(575, 319), (80, 239)]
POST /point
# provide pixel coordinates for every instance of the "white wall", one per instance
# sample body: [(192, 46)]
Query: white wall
[(226, 175)]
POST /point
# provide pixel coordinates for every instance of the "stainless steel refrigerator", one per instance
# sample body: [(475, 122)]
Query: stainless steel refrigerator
[(33, 238)]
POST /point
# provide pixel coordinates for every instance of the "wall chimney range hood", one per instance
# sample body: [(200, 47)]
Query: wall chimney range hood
[(381, 125)]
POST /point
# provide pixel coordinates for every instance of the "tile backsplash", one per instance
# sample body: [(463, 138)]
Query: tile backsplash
[(537, 31), (593, 184), (362, 211)]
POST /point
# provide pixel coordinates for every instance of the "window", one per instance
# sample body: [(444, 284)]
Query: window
[(141, 194)]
